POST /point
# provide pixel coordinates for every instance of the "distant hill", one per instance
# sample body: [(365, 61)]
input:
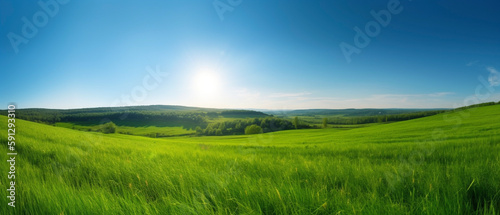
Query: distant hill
[(174, 120), (351, 112), (151, 115)]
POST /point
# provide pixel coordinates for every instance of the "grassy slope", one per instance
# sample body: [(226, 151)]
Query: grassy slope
[(429, 165), (163, 129), (137, 130)]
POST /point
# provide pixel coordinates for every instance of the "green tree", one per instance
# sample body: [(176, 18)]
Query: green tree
[(199, 131), (108, 128), (253, 129), (218, 132), (222, 127), (295, 122), (325, 122), (237, 126), (209, 131)]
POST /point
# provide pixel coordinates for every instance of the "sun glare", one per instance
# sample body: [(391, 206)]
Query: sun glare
[(206, 84)]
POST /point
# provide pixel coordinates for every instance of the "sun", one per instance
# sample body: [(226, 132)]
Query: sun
[(206, 84)]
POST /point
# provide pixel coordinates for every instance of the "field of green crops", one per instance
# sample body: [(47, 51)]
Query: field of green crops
[(443, 164)]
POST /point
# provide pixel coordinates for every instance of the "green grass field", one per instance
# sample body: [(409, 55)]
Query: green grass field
[(443, 164), (148, 131)]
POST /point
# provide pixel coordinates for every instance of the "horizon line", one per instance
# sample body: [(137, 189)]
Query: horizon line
[(253, 109)]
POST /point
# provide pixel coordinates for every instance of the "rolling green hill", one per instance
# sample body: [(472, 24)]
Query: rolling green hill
[(171, 120), (442, 164), (151, 120)]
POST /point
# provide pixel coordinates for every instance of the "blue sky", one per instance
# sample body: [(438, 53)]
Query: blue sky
[(249, 54)]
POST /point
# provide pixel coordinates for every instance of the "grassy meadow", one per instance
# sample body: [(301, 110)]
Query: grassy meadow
[(148, 131), (443, 164)]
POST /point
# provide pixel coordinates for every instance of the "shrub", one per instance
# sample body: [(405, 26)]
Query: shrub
[(253, 129), (108, 128)]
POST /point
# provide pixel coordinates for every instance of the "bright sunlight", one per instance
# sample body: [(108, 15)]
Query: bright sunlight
[(206, 83)]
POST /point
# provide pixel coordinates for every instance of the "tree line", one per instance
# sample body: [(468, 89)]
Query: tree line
[(267, 124), (120, 118), (379, 119)]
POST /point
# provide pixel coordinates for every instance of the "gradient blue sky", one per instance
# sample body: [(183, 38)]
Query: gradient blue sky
[(280, 54)]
